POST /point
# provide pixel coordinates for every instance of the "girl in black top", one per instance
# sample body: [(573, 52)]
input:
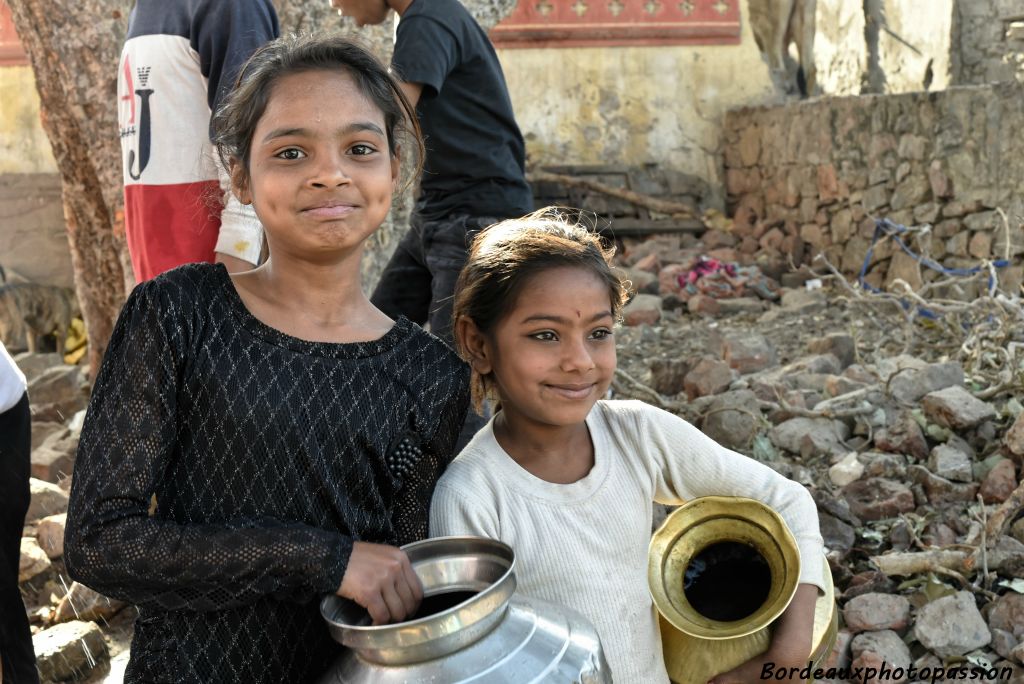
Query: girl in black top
[(287, 434)]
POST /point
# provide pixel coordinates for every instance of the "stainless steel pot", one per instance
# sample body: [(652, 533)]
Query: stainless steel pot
[(475, 628)]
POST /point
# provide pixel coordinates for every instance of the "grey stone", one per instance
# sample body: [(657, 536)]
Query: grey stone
[(840, 345), (35, 364), (811, 436), (748, 353), (876, 498), (54, 459), (940, 490), (50, 534), (83, 603), (1008, 614), (709, 376), (872, 649), (33, 561), (985, 220), (69, 651), (1003, 642), (951, 626), (643, 308), (667, 375), (838, 535), (1000, 482), (64, 386), (950, 463), (883, 464), (47, 499), (956, 408), (875, 611), (902, 435), (912, 191), (733, 419), (875, 198), (911, 384)]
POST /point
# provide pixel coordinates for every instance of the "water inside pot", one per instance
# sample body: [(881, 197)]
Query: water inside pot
[(727, 581), (437, 603)]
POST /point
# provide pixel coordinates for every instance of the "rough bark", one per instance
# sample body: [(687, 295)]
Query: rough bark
[(73, 47)]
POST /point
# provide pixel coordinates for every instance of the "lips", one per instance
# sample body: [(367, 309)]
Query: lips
[(330, 210), (573, 391)]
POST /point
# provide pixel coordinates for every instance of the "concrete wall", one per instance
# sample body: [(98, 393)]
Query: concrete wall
[(33, 240), (883, 46), (635, 105), (810, 178), (988, 41)]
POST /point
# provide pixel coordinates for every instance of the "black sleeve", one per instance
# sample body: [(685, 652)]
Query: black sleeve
[(434, 451), (425, 52), (225, 33), (114, 545)]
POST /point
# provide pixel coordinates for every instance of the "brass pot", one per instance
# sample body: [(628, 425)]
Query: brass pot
[(721, 570)]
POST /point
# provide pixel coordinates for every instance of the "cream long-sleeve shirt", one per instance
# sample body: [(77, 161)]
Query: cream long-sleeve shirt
[(584, 544)]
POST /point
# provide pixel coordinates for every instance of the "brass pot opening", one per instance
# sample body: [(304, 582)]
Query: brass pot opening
[(727, 581)]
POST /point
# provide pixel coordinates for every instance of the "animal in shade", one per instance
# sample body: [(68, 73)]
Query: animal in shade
[(30, 312)]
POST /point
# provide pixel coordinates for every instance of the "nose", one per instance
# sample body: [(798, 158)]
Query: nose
[(576, 356), (330, 172)]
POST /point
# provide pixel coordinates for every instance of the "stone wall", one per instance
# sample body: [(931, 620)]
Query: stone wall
[(988, 41), (811, 177)]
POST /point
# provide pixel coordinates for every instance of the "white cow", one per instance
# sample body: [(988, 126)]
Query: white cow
[(777, 24)]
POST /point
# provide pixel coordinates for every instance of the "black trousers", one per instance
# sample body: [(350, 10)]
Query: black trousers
[(418, 282), (16, 654)]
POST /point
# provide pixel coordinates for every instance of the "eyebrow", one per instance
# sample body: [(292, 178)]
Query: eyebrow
[(563, 320), (303, 132)]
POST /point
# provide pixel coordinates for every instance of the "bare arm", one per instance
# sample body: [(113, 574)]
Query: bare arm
[(412, 92), (791, 644)]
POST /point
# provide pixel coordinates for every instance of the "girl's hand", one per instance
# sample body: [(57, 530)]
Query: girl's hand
[(380, 579), (791, 646)]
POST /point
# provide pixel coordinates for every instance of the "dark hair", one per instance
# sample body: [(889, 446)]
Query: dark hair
[(505, 256), (234, 123)]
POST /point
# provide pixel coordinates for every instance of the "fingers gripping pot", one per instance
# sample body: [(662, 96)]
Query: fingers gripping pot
[(471, 627), (721, 570)]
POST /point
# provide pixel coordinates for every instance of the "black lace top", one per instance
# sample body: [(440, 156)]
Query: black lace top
[(268, 455)]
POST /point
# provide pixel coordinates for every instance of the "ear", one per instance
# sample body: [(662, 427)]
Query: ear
[(240, 181), (396, 167), (474, 345)]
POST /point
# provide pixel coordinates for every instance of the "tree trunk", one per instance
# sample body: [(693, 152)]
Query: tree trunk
[(74, 46)]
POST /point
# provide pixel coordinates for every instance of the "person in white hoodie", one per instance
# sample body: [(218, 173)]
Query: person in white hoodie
[(17, 658)]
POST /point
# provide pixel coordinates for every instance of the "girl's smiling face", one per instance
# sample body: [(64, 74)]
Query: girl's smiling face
[(320, 174), (552, 355)]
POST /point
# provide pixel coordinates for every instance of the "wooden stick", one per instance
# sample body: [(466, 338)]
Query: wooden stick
[(673, 209), (1006, 512)]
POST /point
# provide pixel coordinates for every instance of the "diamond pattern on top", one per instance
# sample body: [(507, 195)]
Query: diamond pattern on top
[(268, 455)]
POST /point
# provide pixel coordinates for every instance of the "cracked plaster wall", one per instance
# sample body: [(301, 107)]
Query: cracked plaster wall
[(631, 106)]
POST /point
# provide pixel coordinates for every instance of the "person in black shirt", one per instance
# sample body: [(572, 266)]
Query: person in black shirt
[(290, 432), (474, 173)]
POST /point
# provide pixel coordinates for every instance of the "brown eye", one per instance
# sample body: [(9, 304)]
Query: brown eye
[(290, 154)]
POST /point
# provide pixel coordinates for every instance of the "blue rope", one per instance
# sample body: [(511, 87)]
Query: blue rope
[(886, 228)]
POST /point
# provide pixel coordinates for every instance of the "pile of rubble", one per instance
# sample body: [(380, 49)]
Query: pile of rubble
[(917, 479)]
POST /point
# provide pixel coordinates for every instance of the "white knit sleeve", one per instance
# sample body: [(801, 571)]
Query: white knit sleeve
[(241, 233), (689, 464), (454, 512)]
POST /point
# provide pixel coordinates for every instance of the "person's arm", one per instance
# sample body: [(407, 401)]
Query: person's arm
[(130, 435), (225, 34), (412, 92), (791, 644)]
